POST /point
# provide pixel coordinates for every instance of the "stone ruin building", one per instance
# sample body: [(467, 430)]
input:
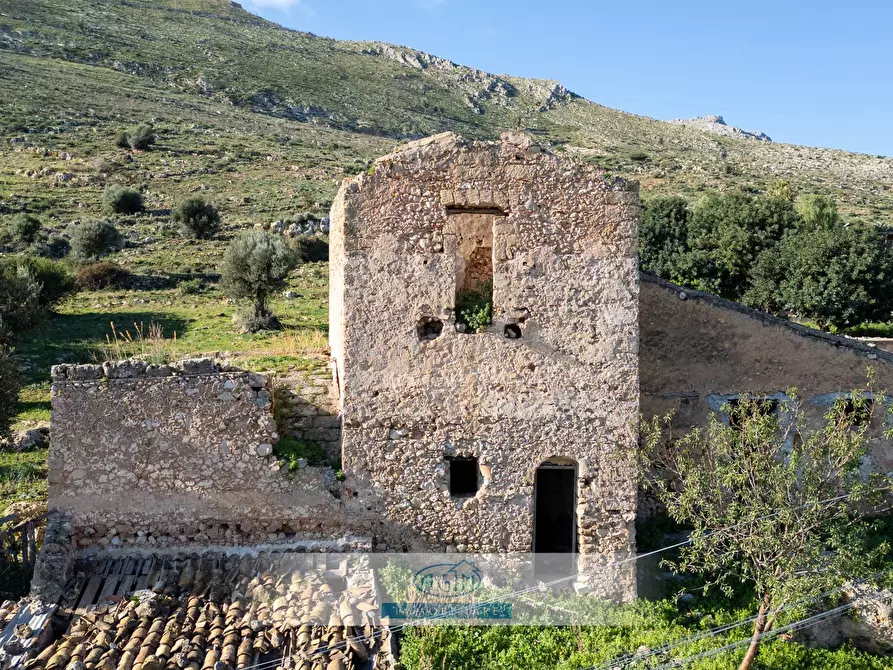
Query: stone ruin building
[(459, 428), (517, 436)]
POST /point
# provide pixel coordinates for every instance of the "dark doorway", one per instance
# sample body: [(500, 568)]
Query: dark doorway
[(555, 519)]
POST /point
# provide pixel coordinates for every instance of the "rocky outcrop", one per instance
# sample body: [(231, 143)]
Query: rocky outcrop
[(713, 123)]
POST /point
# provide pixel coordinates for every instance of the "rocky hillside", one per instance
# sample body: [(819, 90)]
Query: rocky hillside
[(233, 93), (713, 123)]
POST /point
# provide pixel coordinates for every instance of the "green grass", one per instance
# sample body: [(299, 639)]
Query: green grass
[(22, 477), (290, 451)]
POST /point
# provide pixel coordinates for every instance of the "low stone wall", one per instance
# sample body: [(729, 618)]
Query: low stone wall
[(164, 455)]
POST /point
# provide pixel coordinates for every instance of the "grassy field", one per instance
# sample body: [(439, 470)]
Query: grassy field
[(190, 325)]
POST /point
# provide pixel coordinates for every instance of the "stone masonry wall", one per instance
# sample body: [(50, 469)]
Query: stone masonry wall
[(312, 411), (162, 455), (555, 378), (697, 349)]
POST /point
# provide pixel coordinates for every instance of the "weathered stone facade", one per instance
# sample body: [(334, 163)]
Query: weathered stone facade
[(698, 350), (160, 455), (553, 380)]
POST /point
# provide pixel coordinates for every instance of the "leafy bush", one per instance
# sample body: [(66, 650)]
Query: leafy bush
[(141, 138), (56, 282), (196, 218), (20, 306), (256, 263), (290, 451), (25, 228), (10, 382), (55, 246), (474, 307), (312, 248), (191, 287), (101, 275), (122, 200), (93, 239)]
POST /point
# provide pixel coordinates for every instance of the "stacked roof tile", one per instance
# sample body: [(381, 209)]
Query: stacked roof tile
[(222, 613)]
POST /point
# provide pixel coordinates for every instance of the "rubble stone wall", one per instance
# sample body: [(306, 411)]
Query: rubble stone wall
[(554, 378), (161, 455), (697, 349)]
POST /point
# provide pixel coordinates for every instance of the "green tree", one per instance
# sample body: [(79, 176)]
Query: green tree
[(772, 504), (20, 306), (122, 200), (663, 238), (10, 382), (25, 228), (92, 239), (817, 210), (713, 244), (197, 218), (836, 275), (256, 263), (728, 232)]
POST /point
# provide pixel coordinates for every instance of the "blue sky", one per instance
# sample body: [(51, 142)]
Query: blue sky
[(807, 72)]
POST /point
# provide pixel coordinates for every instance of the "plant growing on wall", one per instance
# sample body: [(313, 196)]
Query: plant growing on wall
[(474, 307), (773, 505)]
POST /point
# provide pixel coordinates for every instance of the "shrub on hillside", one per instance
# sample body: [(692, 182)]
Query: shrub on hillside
[(256, 263), (141, 138), (55, 246), (10, 382), (191, 286), (55, 281), (102, 275), (312, 248), (20, 306), (196, 218), (24, 229), (122, 200), (93, 239)]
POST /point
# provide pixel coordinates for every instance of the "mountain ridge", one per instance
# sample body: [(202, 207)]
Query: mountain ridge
[(214, 56)]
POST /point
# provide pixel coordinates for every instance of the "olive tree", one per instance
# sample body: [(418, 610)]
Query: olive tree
[(773, 504), (256, 263)]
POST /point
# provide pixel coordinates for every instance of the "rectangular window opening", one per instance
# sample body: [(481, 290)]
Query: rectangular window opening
[(857, 411), (463, 477), (474, 270)]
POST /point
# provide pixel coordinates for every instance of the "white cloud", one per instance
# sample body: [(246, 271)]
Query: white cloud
[(280, 4)]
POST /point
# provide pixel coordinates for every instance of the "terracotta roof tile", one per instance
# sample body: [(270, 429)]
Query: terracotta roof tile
[(217, 612)]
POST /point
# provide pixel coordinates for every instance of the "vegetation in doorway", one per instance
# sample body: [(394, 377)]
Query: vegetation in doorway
[(474, 307), (295, 454)]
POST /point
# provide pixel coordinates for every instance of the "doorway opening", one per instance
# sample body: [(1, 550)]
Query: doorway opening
[(555, 519)]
